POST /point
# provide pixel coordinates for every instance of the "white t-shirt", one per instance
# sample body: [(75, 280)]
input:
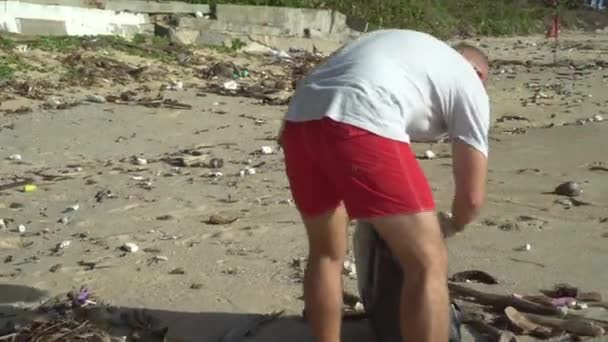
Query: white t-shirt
[(400, 84)]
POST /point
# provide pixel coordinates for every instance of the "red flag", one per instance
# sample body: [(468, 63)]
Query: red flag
[(553, 32)]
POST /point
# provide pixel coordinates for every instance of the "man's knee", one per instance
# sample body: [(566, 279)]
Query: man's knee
[(416, 241)]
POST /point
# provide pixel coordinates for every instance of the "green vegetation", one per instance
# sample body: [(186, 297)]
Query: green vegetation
[(10, 64), (443, 18), (141, 45)]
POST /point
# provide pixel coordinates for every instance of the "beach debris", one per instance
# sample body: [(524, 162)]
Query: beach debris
[(527, 327), (525, 248), (569, 189), (15, 157), (359, 307), (217, 219), (71, 208), (130, 247), (501, 302), (103, 194), (562, 290), (165, 217), (176, 85), (139, 161), (473, 276), (95, 98), (2, 224), (231, 85), (429, 154), (542, 316), (266, 150), (216, 163), (91, 265), (30, 188), (157, 258), (179, 270), (214, 174), (598, 118), (250, 328), (60, 329), (589, 296), (350, 269), (248, 171), (55, 268), (21, 228), (129, 98), (576, 326), (62, 245)]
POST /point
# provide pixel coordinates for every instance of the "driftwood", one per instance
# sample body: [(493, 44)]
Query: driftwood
[(189, 161), (477, 322), (500, 302), (527, 326), (576, 326)]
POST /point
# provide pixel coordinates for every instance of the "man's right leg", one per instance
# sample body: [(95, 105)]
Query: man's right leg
[(416, 241)]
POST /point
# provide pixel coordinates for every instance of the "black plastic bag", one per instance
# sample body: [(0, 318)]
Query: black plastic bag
[(379, 281)]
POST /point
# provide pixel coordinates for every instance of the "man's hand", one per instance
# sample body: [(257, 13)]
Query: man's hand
[(470, 173)]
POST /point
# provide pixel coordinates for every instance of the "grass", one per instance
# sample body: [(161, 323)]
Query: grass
[(443, 18), (11, 64)]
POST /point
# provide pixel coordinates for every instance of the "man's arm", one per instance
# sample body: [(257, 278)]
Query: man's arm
[(470, 175)]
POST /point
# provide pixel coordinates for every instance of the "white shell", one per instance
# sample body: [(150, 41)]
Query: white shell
[(198, 14), (429, 154), (141, 161), (2, 224), (267, 150), (130, 247), (598, 118), (15, 157), (21, 228), (161, 258), (64, 244)]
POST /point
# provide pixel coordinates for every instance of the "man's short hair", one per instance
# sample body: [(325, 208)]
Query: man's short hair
[(461, 47)]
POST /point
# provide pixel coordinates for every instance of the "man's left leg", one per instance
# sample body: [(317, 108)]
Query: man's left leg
[(323, 279)]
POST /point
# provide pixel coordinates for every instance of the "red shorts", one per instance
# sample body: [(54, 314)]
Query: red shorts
[(328, 163)]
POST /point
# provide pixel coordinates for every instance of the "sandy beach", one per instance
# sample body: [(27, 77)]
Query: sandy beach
[(217, 246)]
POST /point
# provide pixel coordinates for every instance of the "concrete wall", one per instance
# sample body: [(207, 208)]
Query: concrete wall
[(277, 27), (295, 22), (41, 19), (136, 6)]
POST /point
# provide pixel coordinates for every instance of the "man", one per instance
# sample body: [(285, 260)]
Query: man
[(346, 140)]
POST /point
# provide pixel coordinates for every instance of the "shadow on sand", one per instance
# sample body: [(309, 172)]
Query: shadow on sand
[(188, 326), (195, 326)]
